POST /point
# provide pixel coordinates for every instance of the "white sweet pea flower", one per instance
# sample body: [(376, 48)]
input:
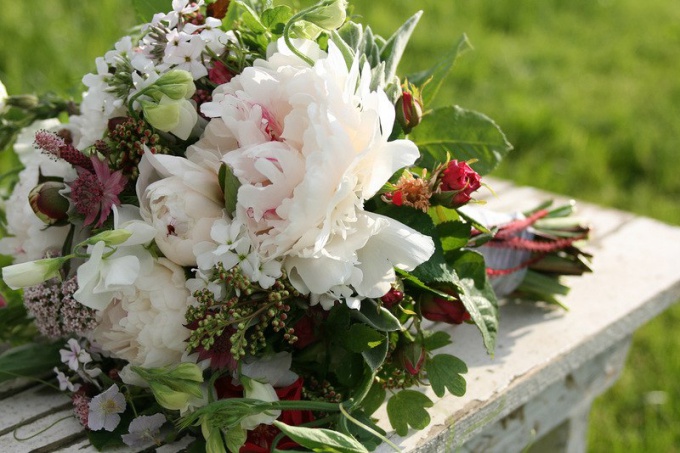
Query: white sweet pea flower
[(31, 273), (263, 392), (273, 369), (101, 279), (309, 146)]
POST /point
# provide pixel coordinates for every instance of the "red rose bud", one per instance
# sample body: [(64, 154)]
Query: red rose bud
[(48, 204), (460, 178), (409, 109), (392, 298), (439, 309), (219, 73), (412, 357)]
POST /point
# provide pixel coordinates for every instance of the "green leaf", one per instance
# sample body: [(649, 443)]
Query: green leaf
[(29, 360), (275, 18), (362, 338), (235, 438), (453, 235), (376, 316), (375, 356), (146, 9), (431, 79), (407, 408), (229, 184), (321, 439), (444, 372), (477, 295), (393, 49), (374, 398), (251, 20), (365, 437), (348, 367), (462, 134), (435, 340)]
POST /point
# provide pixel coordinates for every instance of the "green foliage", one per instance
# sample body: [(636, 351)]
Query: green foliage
[(321, 440), (461, 134), (444, 372), (146, 9), (408, 408), (31, 360)]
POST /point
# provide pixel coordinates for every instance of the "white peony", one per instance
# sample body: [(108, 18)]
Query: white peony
[(146, 327), (181, 200), (309, 146)]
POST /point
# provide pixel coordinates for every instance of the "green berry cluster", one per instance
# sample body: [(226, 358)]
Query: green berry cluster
[(126, 141), (246, 314)]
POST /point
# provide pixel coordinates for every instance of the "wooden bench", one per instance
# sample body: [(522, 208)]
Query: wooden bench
[(537, 390)]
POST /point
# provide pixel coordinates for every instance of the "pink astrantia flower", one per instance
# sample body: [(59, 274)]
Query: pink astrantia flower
[(95, 193)]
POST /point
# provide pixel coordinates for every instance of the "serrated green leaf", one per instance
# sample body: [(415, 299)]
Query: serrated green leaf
[(444, 372), (461, 134), (476, 293), (321, 439), (431, 79), (435, 340), (361, 338), (251, 20), (453, 235), (29, 360), (146, 9), (376, 316), (407, 408), (394, 47)]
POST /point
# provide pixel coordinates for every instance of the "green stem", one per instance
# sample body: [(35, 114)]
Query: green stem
[(22, 439), (369, 429), (286, 35)]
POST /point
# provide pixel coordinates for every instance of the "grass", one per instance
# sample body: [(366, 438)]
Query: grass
[(586, 90)]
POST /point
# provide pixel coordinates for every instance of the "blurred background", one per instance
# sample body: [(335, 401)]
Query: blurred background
[(588, 91)]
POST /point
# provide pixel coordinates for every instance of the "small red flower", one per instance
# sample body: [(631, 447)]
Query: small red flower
[(459, 177)]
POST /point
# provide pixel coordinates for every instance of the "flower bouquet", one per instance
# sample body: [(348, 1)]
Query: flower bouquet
[(242, 231)]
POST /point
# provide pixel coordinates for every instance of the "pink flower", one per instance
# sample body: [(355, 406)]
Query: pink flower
[(94, 194), (460, 178), (219, 73)]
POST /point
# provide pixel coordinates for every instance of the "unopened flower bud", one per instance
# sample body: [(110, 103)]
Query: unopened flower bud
[(23, 101), (457, 183), (440, 309), (111, 237), (169, 398), (412, 357), (392, 298), (329, 15), (169, 115), (176, 84), (31, 273), (409, 109), (49, 204)]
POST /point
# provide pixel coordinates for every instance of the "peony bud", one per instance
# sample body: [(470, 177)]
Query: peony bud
[(439, 309), (458, 181), (329, 15), (409, 109), (169, 115), (176, 84), (49, 204), (32, 273)]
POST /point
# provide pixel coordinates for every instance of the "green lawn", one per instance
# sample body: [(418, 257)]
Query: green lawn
[(587, 90)]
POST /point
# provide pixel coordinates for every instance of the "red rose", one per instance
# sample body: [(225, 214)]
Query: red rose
[(443, 310), (459, 177)]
